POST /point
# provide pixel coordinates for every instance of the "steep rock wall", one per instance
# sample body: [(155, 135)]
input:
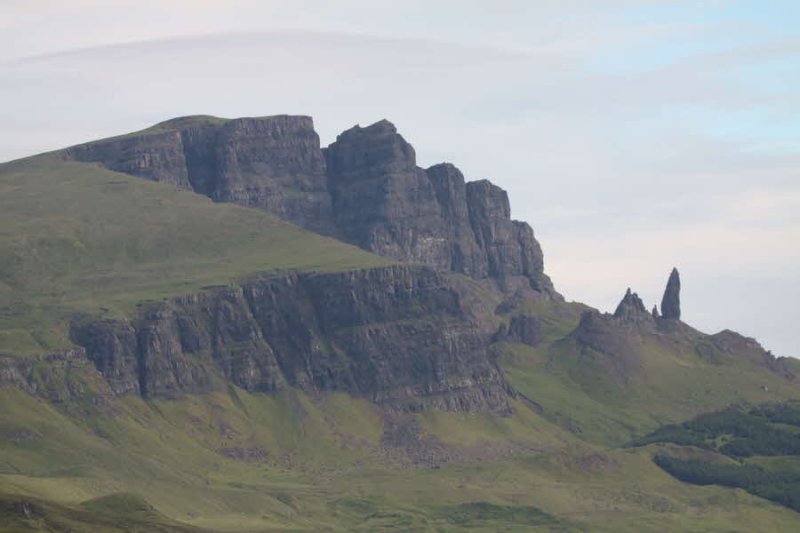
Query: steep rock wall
[(365, 188), (273, 163), (399, 336), (385, 203)]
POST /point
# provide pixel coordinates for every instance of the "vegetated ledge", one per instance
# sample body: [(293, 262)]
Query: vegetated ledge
[(398, 335)]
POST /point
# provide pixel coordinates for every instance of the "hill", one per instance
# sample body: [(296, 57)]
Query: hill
[(79, 237), (177, 355)]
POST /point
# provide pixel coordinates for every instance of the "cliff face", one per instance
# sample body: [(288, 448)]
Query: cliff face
[(399, 336), (366, 189), (272, 163), (157, 157), (382, 201), (385, 203)]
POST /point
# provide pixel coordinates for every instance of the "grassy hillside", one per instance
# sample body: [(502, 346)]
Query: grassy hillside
[(235, 461), (248, 462), (77, 237), (577, 389)]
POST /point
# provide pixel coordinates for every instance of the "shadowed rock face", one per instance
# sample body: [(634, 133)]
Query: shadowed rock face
[(386, 204), (524, 329), (366, 189), (399, 336), (631, 309), (157, 157), (112, 347), (671, 302), (382, 201), (273, 163)]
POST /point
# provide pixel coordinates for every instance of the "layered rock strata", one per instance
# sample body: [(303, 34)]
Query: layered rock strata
[(399, 336), (365, 188)]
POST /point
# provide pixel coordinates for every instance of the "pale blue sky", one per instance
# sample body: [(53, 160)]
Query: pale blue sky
[(633, 136)]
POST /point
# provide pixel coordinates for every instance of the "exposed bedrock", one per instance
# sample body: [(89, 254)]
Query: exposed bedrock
[(671, 302), (57, 377), (631, 309), (365, 188), (272, 163), (385, 203), (399, 336)]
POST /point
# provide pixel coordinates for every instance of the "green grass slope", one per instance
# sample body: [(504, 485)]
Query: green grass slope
[(77, 237), (122, 513), (611, 398), (236, 461)]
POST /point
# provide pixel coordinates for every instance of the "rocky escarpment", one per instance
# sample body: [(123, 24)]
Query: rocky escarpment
[(621, 338), (56, 377), (273, 163), (523, 328), (366, 189), (399, 336), (385, 203)]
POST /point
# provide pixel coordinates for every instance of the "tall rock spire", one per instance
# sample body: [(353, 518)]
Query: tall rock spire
[(671, 302)]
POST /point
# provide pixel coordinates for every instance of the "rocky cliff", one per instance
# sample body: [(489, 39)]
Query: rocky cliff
[(671, 302), (366, 189), (272, 163), (400, 336)]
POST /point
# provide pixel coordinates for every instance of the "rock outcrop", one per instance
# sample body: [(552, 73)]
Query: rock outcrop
[(156, 156), (272, 163), (523, 329), (57, 377), (386, 204), (671, 302), (112, 347), (399, 336), (365, 188), (632, 309)]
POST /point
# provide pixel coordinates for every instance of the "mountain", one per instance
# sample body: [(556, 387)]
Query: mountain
[(365, 189), (267, 335)]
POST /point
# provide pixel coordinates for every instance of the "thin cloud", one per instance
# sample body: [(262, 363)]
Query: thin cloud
[(622, 173)]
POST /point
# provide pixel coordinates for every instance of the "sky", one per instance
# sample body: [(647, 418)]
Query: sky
[(633, 136)]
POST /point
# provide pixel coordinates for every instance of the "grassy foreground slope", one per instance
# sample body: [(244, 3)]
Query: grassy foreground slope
[(250, 462), (78, 237)]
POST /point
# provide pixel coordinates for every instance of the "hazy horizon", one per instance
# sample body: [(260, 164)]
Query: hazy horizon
[(633, 137)]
